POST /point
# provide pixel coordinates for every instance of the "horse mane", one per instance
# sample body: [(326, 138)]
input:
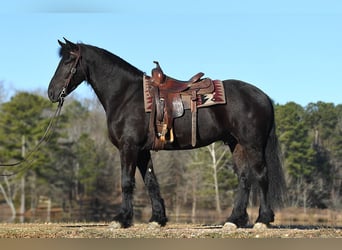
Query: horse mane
[(116, 60)]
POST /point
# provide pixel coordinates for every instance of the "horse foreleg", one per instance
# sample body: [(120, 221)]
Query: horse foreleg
[(128, 167), (146, 169)]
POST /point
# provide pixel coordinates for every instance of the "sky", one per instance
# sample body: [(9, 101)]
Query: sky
[(291, 49)]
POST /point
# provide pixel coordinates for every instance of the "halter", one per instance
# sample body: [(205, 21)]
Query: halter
[(71, 73)]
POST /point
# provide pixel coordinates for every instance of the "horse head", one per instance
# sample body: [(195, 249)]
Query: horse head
[(69, 73)]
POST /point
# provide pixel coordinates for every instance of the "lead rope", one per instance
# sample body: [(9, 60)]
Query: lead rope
[(46, 136), (51, 125)]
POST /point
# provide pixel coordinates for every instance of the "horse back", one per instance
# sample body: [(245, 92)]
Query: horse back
[(247, 114)]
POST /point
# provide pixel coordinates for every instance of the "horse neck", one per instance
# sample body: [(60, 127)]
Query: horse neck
[(110, 76)]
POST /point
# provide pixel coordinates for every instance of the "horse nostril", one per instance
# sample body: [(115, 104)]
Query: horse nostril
[(51, 95)]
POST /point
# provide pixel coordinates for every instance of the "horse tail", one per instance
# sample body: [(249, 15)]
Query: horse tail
[(275, 174)]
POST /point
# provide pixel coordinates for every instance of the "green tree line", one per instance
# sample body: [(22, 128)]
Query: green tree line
[(77, 170)]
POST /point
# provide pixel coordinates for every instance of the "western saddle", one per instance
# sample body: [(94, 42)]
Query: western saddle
[(169, 99)]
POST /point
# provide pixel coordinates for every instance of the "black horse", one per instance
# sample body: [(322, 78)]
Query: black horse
[(245, 123)]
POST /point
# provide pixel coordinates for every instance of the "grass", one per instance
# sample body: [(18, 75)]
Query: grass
[(92, 230), (290, 223)]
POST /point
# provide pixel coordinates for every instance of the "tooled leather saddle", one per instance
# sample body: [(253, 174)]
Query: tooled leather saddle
[(170, 97)]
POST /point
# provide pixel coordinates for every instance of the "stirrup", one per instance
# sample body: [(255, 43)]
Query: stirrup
[(163, 133), (171, 136)]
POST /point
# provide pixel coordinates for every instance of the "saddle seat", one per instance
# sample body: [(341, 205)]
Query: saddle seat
[(168, 102), (169, 84)]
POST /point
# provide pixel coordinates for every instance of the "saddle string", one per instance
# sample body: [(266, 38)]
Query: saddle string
[(46, 136)]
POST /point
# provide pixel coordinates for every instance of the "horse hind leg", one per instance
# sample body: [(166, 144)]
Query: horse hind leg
[(257, 161), (239, 216), (250, 166), (266, 214)]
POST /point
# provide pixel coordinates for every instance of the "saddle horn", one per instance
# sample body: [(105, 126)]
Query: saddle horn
[(158, 74)]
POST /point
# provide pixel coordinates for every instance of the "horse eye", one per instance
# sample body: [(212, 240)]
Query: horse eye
[(69, 60)]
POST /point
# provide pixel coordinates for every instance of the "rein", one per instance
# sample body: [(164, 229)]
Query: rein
[(50, 128), (53, 122)]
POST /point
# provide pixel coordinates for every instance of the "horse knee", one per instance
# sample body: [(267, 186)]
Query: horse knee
[(128, 186), (261, 174), (244, 181), (257, 163)]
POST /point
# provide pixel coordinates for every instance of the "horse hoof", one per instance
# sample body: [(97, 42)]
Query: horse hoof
[(114, 225), (153, 225), (228, 226), (260, 226)]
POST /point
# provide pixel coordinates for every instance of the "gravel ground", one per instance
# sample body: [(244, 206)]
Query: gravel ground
[(103, 230)]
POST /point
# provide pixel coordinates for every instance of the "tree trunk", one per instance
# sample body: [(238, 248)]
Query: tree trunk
[(33, 194), (214, 166), (194, 200), (48, 217), (22, 182), (8, 198), (22, 199)]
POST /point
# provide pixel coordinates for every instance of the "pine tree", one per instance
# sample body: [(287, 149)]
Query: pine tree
[(296, 148), (23, 122)]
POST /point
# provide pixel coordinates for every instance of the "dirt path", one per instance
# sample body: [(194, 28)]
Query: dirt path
[(91, 230)]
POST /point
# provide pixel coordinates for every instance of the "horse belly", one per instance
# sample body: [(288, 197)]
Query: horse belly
[(208, 130)]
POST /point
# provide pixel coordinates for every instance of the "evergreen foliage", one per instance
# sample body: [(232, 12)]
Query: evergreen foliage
[(79, 170)]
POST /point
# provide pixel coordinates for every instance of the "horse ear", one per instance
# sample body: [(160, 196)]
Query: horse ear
[(66, 40), (71, 45), (61, 43)]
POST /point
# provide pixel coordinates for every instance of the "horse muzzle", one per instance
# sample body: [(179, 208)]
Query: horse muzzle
[(55, 96)]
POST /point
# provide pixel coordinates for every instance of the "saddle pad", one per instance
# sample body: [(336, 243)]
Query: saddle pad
[(216, 97)]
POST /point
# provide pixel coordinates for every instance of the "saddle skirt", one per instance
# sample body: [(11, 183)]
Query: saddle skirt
[(203, 100)]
